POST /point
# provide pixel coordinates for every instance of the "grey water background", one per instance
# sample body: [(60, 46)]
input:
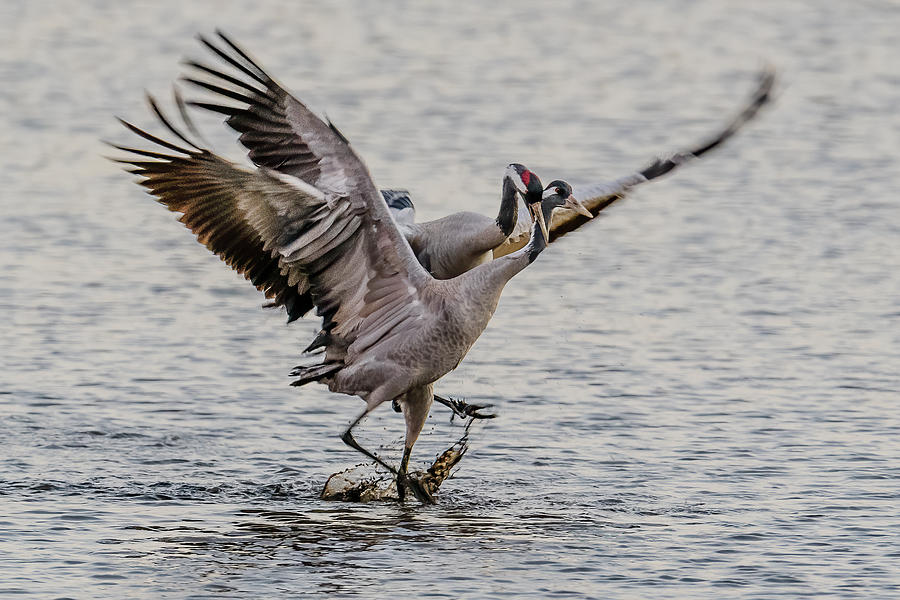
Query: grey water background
[(697, 394)]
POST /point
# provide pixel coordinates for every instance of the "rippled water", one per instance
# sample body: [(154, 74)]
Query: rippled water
[(697, 394)]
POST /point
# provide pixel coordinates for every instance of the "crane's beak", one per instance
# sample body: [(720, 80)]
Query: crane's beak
[(538, 215), (581, 209)]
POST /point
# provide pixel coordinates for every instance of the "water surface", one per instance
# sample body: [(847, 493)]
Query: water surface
[(697, 394)]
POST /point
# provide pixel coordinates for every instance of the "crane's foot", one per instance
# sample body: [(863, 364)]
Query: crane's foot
[(416, 487), (464, 410)]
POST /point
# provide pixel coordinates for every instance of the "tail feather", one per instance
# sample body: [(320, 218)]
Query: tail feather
[(314, 372), (322, 339)]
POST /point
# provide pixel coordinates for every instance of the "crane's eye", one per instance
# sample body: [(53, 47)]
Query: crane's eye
[(560, 191)]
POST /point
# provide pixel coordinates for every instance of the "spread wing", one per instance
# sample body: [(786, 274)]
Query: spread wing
[(598, 196), (279, 131), (342, 251)]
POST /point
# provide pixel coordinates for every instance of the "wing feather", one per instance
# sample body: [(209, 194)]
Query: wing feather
[(279, 131), (301, 245), (598, 196)]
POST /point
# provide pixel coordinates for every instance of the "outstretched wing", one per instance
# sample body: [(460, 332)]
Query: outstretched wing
[(207, 191), (276, 127), (598, 196), (280, 132), (282, 233)]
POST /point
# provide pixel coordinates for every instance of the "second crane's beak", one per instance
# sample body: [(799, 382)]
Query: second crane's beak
[(581, 209), (538, 215)]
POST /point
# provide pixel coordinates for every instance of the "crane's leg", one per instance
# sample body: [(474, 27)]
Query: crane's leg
[(348, 439), (415, 404), (403, 480), (464, 410)]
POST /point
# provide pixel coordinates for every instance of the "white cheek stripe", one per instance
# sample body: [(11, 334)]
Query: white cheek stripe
[(516, 179)]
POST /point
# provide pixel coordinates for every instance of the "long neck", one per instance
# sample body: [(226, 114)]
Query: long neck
[(538, 243), (509, 207), (503, 269), (483, 285)]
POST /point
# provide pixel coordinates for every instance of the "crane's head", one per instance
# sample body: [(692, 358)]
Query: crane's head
[(527, 183), (401, 206), (559, 195), (530, 187)]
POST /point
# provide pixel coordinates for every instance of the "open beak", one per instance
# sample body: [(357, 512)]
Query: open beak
[(538, 215), (574, 204)]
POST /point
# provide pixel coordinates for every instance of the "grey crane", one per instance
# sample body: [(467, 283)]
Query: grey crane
[(392, 329), (266, 119), (452, 245), (448, 246)]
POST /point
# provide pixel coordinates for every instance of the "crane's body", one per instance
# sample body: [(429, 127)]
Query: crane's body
[(452, 245)]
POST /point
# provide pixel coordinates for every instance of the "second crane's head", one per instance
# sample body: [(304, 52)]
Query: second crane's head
[(559, 195), (530, 187)]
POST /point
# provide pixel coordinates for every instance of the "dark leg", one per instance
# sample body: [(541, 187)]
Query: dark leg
[(403, 480), (348, 439), (401, 474), (463, 410)]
